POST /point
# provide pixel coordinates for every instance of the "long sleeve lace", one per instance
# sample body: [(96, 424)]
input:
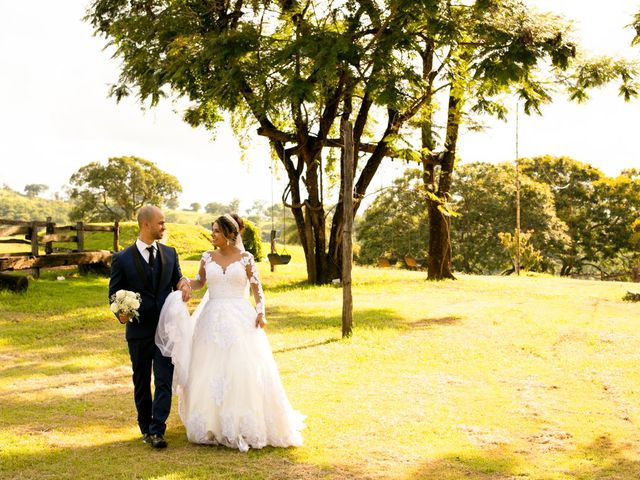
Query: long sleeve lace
[(202, 274), (254, 281)]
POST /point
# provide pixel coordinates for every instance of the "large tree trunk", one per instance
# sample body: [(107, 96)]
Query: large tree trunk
[(439, 261), (309, 214), (436, 175)]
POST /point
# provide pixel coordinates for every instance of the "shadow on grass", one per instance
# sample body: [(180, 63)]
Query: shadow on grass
[(292, 318), (287, 286), (372, 319), (133, 459), (434, 322), (311, 345), (611, 459), (600, 459)]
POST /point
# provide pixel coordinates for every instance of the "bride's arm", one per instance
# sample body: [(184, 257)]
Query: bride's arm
[(256, 289), (201, 277)]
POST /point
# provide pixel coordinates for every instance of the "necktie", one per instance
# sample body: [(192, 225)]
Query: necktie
[(152, 259)]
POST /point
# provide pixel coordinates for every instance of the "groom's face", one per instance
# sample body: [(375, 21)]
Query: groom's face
[(156, 225)]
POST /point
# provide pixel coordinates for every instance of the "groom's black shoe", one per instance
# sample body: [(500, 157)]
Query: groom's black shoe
[(158, 441), (146, 438)]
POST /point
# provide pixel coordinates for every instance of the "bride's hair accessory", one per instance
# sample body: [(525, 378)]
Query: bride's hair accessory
[(232, 230), (233, 222)]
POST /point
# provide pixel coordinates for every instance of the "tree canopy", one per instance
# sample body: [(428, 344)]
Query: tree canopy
[(599, 211), (484, 195), (575, 220), (35, 189), (117, 190), (293, 69), (396, 222)]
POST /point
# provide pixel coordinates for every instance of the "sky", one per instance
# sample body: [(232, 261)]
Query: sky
[(55, 115)]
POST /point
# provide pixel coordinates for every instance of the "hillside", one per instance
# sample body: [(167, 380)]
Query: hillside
[(15, 206)]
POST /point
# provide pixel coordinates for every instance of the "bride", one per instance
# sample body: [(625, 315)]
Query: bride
[(227, 381)]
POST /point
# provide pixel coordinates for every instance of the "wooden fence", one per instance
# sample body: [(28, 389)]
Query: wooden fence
[(12, 230)]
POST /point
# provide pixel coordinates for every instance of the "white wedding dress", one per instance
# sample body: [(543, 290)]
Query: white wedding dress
[(227, 381)]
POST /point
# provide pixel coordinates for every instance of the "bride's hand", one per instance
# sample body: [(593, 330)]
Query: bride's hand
[(260, 321)]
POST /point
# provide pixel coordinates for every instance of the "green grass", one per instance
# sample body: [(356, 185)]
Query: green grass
[(479, 378)]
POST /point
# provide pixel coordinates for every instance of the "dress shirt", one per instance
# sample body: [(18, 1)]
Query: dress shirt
[(142, 248)]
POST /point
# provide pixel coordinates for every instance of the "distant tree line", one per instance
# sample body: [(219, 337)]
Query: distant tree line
[(575, 220), (16, 206)]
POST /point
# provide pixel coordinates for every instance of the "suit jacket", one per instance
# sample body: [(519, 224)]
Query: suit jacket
[(129, 271)]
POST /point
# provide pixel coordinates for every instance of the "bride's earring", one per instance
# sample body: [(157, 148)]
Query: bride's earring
[(228, 242)]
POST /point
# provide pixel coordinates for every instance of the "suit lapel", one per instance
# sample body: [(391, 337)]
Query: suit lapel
[(137, 260), (164, 267)]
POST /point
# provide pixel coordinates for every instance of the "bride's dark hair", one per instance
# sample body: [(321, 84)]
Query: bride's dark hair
[(227, 227)]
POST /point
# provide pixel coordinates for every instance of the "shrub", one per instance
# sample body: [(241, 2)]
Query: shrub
[(252, 241)]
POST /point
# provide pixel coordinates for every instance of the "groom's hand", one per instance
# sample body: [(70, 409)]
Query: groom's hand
[(123, 318), (185, 288)]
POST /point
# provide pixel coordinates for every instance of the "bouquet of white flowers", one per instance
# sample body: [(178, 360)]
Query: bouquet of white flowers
[(125, 302)]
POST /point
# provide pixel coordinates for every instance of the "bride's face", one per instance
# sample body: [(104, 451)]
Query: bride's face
[(217, 237)]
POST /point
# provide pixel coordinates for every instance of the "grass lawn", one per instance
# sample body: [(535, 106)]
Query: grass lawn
[(479, 378)]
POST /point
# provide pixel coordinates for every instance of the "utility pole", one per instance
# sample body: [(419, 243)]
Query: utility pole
[(347, 230), (517, 235)]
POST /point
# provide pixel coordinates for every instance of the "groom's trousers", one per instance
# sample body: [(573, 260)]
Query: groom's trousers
[(152, 411)]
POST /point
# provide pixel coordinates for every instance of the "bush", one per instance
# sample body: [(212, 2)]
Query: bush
[(252, 241)]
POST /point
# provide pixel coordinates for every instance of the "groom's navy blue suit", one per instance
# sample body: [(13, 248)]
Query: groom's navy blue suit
[(130, 271)]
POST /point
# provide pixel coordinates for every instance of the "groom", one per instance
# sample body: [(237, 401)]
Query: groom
[(152, 270)]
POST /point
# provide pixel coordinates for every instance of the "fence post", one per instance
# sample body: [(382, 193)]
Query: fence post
[(34, 239), (80, 234), (34, 246), (116, 235), (49, 230)]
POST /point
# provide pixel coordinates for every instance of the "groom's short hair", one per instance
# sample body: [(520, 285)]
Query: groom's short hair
[(146, 213)]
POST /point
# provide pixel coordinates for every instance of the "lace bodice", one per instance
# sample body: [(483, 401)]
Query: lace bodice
[(232, 281)]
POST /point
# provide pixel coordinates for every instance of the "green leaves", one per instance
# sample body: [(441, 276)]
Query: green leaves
[(116, 191), (596, 72)]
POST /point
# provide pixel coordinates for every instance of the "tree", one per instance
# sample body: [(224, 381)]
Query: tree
[(116, 191), (290, 69), (614, 218), (258, 213), (172, 203), (35, 189), (484, 195), (636, 26), (216, 209), (396, 223), (529, 258), (195, 206), (497, 48), (599, 212), (294, 69)]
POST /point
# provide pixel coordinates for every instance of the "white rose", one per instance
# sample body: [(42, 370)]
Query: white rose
[(121, 295), (114, 307)]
